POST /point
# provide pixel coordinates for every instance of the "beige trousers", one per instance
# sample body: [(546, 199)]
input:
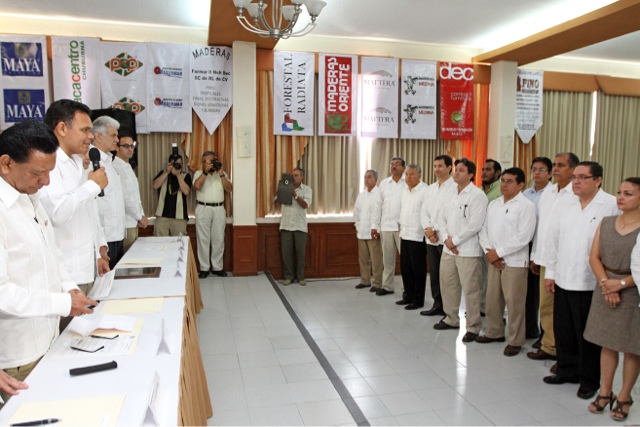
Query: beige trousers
[(458, 274), (132, 235), (19, 373), (370, 260), (390, 245), (546, 317), (169, 227), (507, 286)]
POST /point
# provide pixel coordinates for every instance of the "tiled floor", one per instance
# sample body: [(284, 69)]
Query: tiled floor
[(397, 368)]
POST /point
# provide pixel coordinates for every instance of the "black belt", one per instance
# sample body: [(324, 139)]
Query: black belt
[(210, 204)]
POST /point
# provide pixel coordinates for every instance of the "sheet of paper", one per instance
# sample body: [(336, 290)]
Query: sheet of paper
[(140, 261), (133, 306), (84, 327), (102, 286), (71, 346), (89, 411)]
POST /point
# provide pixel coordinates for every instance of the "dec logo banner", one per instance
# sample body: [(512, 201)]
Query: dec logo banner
[(456, 101)]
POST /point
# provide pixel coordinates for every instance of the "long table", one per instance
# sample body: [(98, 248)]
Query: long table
[(174, 366)]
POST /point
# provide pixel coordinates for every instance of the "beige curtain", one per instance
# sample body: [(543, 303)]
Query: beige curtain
[(617, 141), (566, 124), (418, 151)]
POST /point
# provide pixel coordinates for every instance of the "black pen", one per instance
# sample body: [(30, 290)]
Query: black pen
[(37, 422)]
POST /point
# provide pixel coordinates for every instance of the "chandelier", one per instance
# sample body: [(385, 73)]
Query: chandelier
[(283, 18)]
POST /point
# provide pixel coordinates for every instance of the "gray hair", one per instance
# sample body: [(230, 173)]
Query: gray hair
[(374, 172), (101, 125), (416, 167)]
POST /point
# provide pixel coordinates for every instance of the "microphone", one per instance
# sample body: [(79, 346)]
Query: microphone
[(94, 156)]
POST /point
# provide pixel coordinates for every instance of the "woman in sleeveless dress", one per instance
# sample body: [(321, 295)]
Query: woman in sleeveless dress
[(614, 318)]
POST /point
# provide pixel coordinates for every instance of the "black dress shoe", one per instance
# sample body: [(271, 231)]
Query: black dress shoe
[(441, 326), (483, 339), (383, 292), (403, 302), (586, 393), (556, 379), (433, 312), (203, 274), (374, 289), (362, 286), (538, 344), (414, 306), (469, 337), (220, 273)]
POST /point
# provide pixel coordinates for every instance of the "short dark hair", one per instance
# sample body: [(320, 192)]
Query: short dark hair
[(209, 153), (64, 110), (635, 180), (496, 165), (547, 162), (21, 139), (402, 162), (471, 167), (299, 169), (517, 172), (172, 158), (595, 169), (448, 161), (572, 159)]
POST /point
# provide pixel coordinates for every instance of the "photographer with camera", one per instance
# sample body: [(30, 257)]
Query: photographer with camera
[(171, 214), (211, 183)]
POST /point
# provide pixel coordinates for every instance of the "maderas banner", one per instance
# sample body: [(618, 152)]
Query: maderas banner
[(456, 101), (24, 80), (293, 93), (379, 97), (528, 103), (168, 77), (124, 79), (418, 100), (76, 69), (337, 93), (211, 83)]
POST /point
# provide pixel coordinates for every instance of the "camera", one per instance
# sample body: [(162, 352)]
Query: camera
[(174, 157), (215, 165)]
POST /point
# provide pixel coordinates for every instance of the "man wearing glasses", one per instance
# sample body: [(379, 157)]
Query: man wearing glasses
[(132, 205)]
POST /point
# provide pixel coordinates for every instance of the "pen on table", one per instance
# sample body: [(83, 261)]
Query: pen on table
[(37, 422)]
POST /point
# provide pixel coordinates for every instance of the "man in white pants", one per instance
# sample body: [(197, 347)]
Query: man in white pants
[(211, 182)]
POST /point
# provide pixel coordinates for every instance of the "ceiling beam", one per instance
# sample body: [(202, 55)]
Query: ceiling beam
[(614, 20)]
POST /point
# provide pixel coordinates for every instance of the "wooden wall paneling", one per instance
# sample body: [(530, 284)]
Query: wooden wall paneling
[(245, 250)]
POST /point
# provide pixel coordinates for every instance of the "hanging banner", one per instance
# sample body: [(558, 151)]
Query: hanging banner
[(211, 81), (418, 100), (337, 93), (76, 69), (24, 80), (456, 101), (528, 104), (379, 98), (124, 79), (293, 93), (168, 77)]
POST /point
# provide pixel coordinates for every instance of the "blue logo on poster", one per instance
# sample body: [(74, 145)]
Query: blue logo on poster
[(23, 104), (22, 59)]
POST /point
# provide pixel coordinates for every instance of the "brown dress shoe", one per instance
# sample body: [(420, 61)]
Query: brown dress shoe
[(538, 344), (540, 355), (483, 339), (512, 350), (554, 369)]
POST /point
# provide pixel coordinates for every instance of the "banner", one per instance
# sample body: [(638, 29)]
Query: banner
[(24, 80), (211, 78), (124, 79), (337, 93), (293, 93), (76, 69), (379, 98), (456, 101), (168, 77), (528, 104), (418, 100)]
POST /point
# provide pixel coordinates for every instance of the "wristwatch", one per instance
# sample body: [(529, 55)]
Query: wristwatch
[(623, 283)]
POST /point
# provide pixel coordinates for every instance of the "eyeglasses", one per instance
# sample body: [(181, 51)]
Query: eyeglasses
[(127, 146), (543, 170), (580, 178)]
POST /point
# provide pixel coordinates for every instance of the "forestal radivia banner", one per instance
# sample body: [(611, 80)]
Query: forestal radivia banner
[(211, 83), (418, 100), (76, 69), (168, 76), (456, 101), (293, 93), (124, 79), (24, 80), (337, 93), (379, 98), (528, 104)]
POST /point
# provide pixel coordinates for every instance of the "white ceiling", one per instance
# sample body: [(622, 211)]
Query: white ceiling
[(476, 24)]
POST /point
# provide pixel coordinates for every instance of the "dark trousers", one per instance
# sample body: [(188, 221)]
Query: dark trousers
[(413, 265), (293, 244), (434, 253), (532, 304), (116, 251), (577, 357)]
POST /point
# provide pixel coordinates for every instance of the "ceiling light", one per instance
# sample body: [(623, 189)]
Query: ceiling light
[(283, 17)]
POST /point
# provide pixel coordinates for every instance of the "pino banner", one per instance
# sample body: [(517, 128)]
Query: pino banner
[(337, 95), (456, 101), (76, 69), (418, 100), (211, 83), (124, 79), (379, 98), (24, 80), (293, 93), (528, 104), (168, 76)]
